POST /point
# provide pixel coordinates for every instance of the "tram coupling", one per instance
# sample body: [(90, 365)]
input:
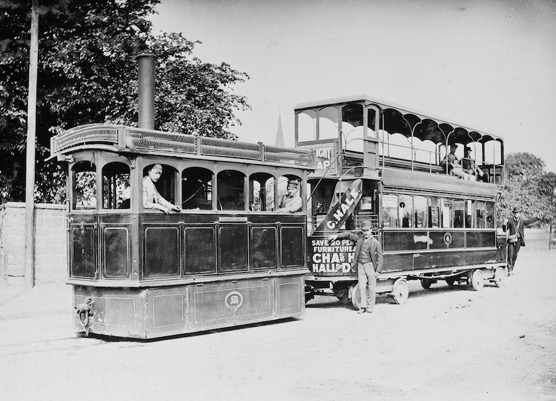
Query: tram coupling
[(85, 313)]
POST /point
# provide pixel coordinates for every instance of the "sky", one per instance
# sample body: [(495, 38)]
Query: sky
[(489, 65)]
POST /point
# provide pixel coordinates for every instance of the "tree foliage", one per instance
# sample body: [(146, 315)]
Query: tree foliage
[(87, 73), (528, 186)]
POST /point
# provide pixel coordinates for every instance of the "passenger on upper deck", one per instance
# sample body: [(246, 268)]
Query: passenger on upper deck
[(151, 198), (469, 166), (451, 162), (292, 201), (450, 159)]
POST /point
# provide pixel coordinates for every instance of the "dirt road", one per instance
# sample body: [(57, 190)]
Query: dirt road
[(445, 343)]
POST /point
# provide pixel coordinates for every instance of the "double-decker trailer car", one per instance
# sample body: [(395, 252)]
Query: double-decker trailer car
[(433, 212)]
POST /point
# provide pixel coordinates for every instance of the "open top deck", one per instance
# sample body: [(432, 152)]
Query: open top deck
[(361, 135)]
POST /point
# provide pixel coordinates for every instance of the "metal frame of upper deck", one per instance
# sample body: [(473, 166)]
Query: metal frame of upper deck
[(422, 126), (475, 134)]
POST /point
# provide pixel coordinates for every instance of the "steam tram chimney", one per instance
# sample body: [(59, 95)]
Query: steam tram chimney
[(146, 79)]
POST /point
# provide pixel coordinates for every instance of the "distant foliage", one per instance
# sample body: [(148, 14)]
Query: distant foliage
[(88, 74), (528, 186)]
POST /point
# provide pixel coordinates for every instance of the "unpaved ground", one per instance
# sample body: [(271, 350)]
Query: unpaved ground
[(446, 343)]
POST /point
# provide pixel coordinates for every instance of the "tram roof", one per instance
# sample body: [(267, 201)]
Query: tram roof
[(124, 139), (433, 128)]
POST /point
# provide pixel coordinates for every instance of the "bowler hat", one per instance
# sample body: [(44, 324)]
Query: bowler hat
[(517, 209), (366, 225)]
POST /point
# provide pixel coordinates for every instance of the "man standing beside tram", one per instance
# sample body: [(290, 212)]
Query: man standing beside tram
[(368, 262), (151, 198), (516, 237)]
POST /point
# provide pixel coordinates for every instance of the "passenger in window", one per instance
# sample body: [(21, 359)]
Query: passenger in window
[(469, 166), (151, 198), (292, 201)]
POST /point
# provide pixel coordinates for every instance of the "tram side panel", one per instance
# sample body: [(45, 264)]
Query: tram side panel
[(163, 295), (406, 253)]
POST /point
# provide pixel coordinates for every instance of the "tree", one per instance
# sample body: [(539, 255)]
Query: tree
[(528, 186), (87, 74)]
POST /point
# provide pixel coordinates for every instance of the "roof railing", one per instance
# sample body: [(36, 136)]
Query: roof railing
[(131, 139)]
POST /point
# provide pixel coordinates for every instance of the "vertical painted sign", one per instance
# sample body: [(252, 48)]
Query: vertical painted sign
[(338, 215)]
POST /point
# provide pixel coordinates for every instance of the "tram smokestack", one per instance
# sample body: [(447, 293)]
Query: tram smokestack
[(146, 80)]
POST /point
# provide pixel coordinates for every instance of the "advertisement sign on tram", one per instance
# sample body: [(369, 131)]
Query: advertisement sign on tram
[(335, 257)]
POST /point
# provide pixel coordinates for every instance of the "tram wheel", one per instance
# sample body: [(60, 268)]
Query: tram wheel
[(400, 291), (426, 284), (355, 296), (476, 280), (500, 276), (450, 281)]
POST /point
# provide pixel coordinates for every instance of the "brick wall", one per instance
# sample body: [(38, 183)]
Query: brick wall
[(50, 244)]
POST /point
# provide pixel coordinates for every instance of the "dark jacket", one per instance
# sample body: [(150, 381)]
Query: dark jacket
[(516, 229), (376, 249)]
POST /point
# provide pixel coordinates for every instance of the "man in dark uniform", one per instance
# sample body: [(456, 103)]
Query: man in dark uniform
[(516, 238), (368, 261)]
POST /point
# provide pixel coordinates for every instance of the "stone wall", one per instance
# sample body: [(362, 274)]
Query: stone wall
[(50, 244)]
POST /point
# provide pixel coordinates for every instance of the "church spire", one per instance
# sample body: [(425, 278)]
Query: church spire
[(279, 133)]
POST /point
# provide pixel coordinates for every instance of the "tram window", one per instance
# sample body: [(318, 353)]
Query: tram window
[(200, 250), (289, 194), (390, 211), (306, 126), (399, 147), (261, 192), (166, 185), (493, 152), (446, 213), (115, 186), (424, 151), (328, 123), (352, 126), (231, 188), (84, 186), (434, 213), (406, 210), (469, 211), (197, 188), (233, 248), (161, 251), (263, 247), (489, 215), (82, 252), (459, 214), (484, 214), (420, 204), (116, 252), (480, 214), (371, 122), (292, 246)]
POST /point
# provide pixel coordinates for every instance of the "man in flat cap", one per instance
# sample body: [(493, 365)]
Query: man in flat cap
[(368, 262), (291, 202), (151, 198)]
